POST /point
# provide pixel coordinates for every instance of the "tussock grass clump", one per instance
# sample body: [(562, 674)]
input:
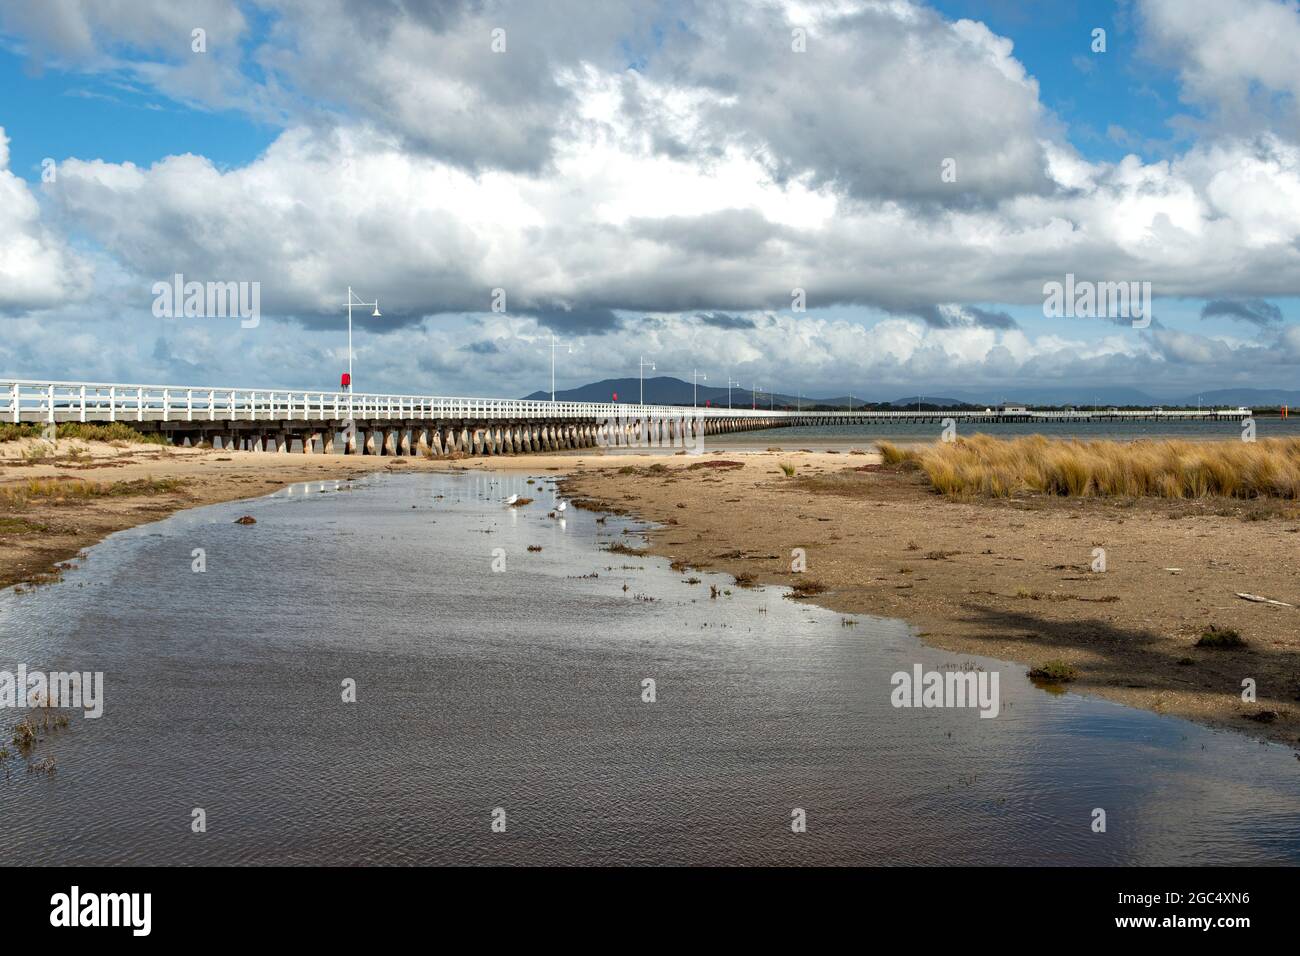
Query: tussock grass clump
[(983, 466), (891, 454), (788, 469), (1220, 638)]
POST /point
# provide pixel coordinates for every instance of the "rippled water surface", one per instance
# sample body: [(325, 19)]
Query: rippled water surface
[(523, 690)]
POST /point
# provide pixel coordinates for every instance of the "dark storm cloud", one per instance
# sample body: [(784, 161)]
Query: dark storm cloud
[(390, 319), (427, 70), (723, 320), (581, 321), (439, 15), (991, 320), (726, 234), (956, 318), (1255, 311), (929, 314)]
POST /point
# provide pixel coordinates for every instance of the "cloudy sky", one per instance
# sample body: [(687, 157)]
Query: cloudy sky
[(653, 179)]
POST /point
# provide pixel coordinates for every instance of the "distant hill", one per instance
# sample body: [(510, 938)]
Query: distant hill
[(667, 390), (1078, 396), (661, 390), (937, 400), (1250, 397)]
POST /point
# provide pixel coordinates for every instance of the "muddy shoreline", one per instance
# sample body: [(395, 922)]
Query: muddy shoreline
[(1013, 580), (39, 534)]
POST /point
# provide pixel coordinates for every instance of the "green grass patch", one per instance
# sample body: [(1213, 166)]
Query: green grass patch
[(113, 431), (20, 526), (1220, 638), (11, 432), (85, 431)]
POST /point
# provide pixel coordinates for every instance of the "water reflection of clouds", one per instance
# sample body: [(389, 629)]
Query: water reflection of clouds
[(1175, 793), (526, 683)]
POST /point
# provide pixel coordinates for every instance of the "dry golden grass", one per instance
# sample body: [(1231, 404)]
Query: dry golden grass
[(891, 454), (983, 466), (58, 488)]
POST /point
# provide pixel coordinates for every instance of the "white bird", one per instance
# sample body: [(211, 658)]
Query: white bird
[(561, 506), (512, 499)]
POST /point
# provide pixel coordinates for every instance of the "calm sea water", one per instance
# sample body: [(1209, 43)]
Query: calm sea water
[(841, 437), (522, 690)]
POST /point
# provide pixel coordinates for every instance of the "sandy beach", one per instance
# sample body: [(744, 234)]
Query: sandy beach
[(1011, 580)]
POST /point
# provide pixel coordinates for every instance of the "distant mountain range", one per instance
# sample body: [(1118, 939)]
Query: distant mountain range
[(662, 390), (666, 390), (1253, 397)]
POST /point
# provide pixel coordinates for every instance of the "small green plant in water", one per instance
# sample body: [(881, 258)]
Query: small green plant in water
[(24, 734), (806, 589), (1054, 672), (619, 547)]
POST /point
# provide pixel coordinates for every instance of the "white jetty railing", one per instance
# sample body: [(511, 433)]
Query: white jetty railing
[(39, 401), (36, 401)]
